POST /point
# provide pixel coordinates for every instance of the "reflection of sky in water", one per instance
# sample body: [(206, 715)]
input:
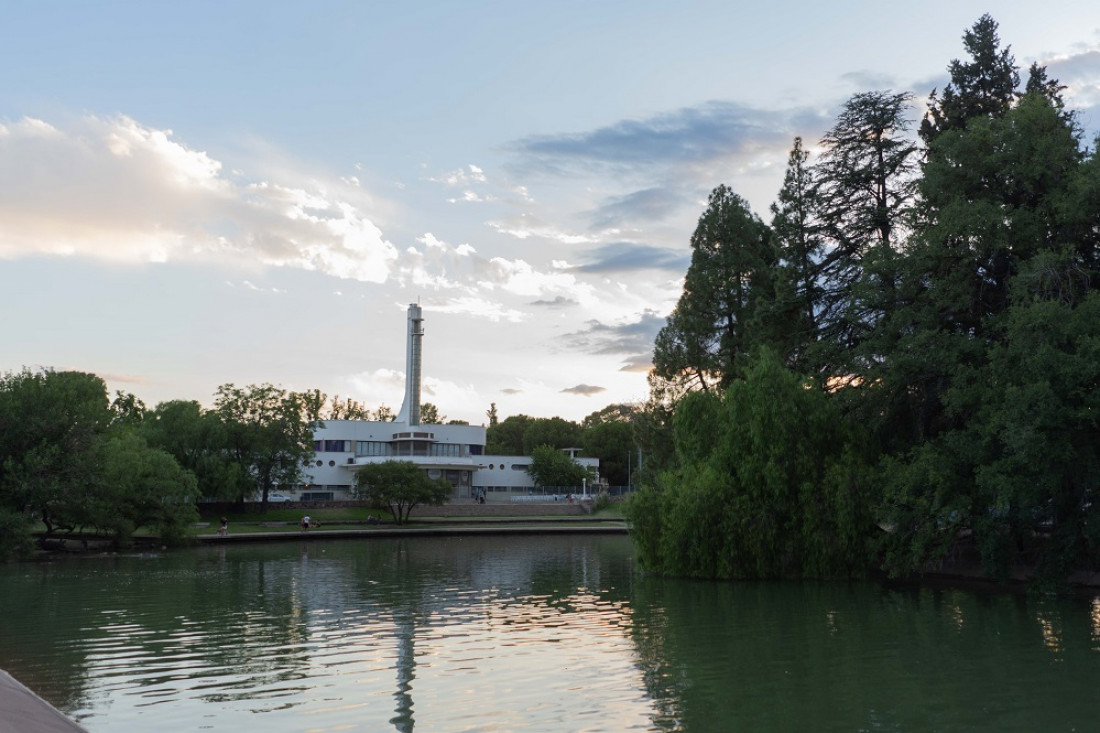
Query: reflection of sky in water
[(553, 634), (453, 636)]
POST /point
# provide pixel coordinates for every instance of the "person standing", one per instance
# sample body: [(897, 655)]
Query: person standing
[(305, 523)]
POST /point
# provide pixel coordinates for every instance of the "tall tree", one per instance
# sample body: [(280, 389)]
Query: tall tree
[(727, 293), (506, 437), (199, 441), (51, 425), (384, 413), (982, 87), (796, 231), (613, 443), (268, 431), (347, 409), (554, 431), (865, 192), (429, 414)]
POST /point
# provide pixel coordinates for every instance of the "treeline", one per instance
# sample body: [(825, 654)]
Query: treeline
[(607, 434), (906, 355), (73, 459)]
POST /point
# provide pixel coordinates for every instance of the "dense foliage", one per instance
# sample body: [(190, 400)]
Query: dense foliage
[(70, 460), (399, 487), (553, 467), (607, 434), (928, 305)]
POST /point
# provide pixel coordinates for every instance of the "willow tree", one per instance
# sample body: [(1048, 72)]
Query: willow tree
[(771, 482)]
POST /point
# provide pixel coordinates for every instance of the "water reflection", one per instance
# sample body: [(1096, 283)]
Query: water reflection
[(544, 634)]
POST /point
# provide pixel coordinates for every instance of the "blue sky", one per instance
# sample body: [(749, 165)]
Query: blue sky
[(209, 192)]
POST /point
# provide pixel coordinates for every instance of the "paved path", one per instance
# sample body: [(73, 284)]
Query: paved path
[(443, 530)]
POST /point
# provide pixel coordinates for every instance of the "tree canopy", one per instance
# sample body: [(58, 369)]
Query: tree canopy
[(72, 460), (399, 487), (933, 294)]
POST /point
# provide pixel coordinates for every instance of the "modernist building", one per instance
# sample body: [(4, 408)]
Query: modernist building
[(453, 452)]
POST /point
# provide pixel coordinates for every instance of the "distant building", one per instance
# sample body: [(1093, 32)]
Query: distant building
[(453, 452)]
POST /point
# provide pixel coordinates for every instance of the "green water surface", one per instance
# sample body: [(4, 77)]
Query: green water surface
[(541, 633)]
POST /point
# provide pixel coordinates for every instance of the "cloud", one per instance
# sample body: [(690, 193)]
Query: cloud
[(864, 80), (651, 204), (526, 225), (585, 390), (691, 135), (116, 190), (631, 338), (511, 391), (628, 256), (464, 279), (1080, 72), (461, 177), (379, 387), (558, 302)]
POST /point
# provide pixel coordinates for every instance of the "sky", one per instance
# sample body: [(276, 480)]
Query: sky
[(201, 193)]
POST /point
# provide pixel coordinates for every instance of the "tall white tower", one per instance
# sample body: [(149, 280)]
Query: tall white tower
[(410, 408)]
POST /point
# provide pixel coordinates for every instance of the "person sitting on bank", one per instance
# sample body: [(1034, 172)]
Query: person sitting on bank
[(305, 523)]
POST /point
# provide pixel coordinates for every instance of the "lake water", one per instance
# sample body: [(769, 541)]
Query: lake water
[(541, 633)]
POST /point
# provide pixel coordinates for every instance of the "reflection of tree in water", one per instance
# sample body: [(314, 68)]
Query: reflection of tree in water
[(420, 572), (250, 624), (188, 607), (840, 656)]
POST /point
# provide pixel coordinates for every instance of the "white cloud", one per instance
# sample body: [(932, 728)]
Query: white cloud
[(114, 189), (462, 177), (472, 279), (524, 226)]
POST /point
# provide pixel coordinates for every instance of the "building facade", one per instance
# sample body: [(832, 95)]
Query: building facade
[(453, 452)]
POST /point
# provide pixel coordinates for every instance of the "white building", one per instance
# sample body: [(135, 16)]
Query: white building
[(453, 452)]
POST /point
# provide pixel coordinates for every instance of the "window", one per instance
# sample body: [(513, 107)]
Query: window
[(372, 448)]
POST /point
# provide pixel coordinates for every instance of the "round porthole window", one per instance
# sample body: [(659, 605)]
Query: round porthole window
[(320, 463), (332, 463), (502, 467)]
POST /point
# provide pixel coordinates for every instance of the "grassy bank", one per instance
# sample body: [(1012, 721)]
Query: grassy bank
[(287, 520)]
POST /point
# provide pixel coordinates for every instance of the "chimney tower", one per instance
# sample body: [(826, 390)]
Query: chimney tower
[(410, 408)]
